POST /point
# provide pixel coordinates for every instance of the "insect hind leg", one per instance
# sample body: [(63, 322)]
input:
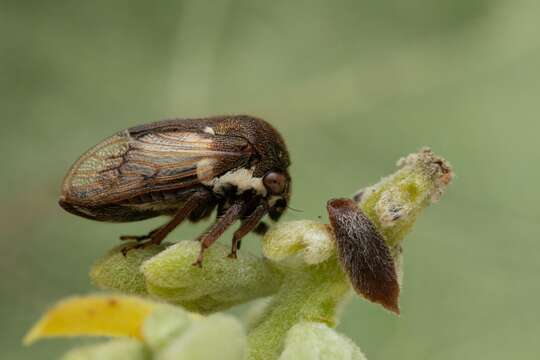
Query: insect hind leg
[(156, 236), (139, 238)]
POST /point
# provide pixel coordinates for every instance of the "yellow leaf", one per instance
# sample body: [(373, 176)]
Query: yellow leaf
[(93, 315)]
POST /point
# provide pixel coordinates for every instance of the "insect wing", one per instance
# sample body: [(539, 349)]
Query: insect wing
[(127, 165), (363, 254)]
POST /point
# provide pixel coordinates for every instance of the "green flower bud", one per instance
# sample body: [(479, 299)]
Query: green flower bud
[(164, 324), (216, 337), (221, 282), (394, 203), (117, 272), (298, 243), (317, 341)]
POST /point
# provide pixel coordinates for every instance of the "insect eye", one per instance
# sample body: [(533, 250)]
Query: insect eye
[(275, 182)]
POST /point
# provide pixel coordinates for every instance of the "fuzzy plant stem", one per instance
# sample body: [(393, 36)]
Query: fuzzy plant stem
[(310, 294)]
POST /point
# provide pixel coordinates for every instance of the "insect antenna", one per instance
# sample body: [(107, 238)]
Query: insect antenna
[(293, 209)]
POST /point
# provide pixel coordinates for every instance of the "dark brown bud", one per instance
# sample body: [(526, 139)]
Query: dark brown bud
[(363, 254)]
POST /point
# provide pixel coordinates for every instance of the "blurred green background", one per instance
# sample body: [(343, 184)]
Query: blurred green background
[(352, 85)]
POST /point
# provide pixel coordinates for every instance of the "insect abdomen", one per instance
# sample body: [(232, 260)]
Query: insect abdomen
[(110, 213)]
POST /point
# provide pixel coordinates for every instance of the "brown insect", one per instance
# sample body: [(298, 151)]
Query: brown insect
[(363, 254), (184, 168)]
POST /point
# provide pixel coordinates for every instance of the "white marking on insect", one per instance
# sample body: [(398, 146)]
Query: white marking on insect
[(241, 178), (204, 171), (209, 130), (273, 199)]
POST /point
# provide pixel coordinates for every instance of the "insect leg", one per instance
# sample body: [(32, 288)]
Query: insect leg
[(190, 205), (249, 224), (229, 217), (260, 229), (157, 236), (139, 237)]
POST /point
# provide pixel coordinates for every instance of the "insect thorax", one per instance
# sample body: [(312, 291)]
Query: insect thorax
[(240, 179)]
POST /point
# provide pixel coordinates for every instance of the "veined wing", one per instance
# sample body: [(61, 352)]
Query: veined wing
[(125, 165)]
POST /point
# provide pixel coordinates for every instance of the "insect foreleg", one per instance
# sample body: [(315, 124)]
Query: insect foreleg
[(232, 214), (249, 224), (260, 229)]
